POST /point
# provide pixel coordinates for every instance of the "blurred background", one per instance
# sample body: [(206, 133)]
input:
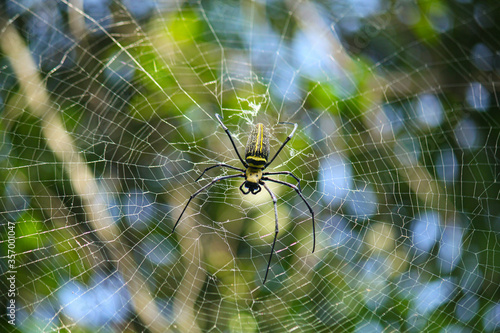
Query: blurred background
[(108, 117)]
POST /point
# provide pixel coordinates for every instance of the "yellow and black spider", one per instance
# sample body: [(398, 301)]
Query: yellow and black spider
[(256, 155)]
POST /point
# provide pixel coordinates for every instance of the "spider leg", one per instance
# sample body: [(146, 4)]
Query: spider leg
[(276, 230), (257, 190), (241, 189), (219, 165), (283, 145), (284, 173), (230, 138), (201, 189), (299, 192)]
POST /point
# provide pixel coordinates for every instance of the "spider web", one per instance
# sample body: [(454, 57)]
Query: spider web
[(108, 117)]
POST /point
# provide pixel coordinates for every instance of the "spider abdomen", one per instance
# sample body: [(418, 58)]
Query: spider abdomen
[(257, 149)]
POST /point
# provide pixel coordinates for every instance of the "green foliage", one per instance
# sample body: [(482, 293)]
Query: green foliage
[(150, 127)]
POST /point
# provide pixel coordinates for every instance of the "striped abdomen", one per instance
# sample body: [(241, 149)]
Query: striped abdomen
[(257, 150)]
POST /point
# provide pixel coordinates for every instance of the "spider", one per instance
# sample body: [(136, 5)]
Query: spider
[(256, 161)]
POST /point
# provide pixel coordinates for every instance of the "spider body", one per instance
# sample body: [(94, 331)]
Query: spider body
[(256, 155), (256, 161), (257, 149), (252, 181)]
